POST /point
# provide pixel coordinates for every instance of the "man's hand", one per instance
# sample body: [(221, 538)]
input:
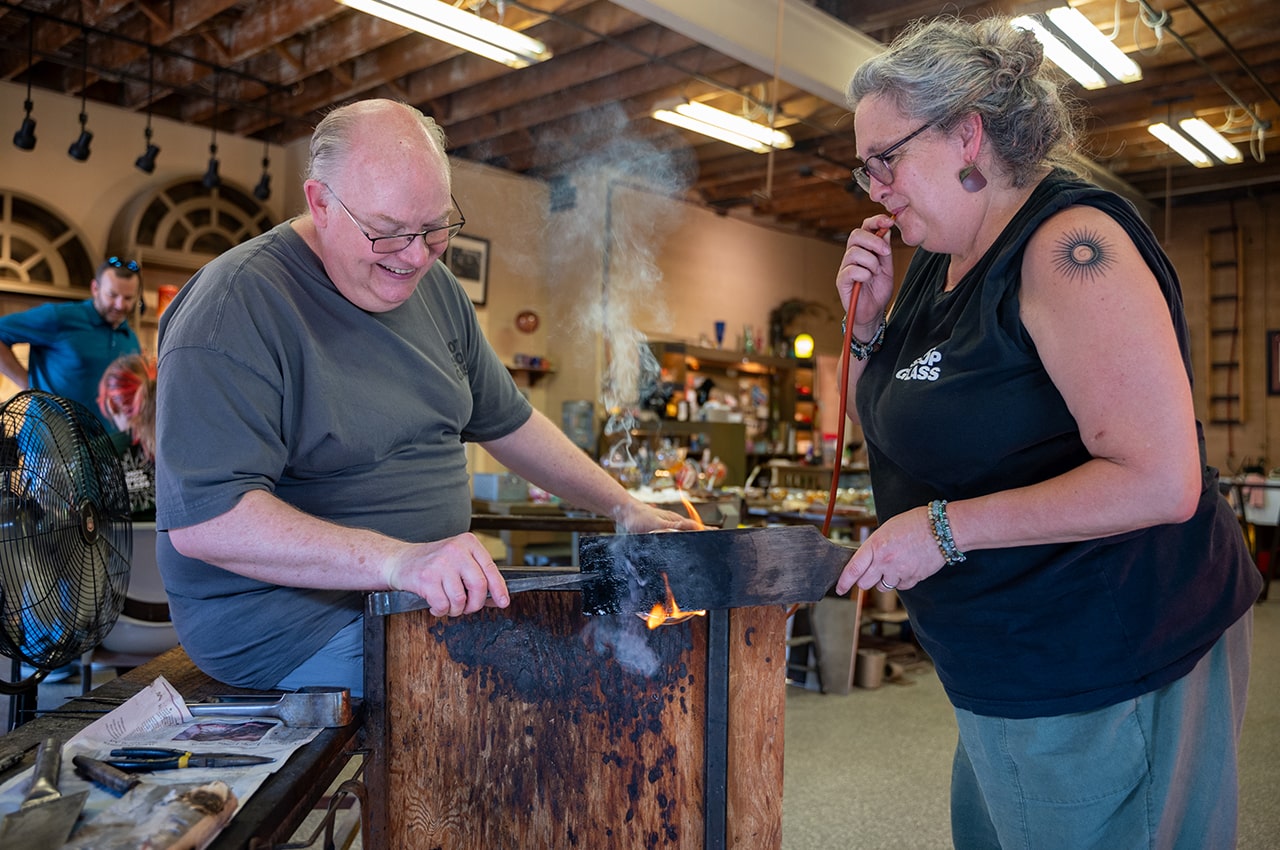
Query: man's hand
[(13, 369), (636, 517), (455, 575)]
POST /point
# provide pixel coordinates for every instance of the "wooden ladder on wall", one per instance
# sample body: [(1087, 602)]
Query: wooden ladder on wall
[(1224, 283)]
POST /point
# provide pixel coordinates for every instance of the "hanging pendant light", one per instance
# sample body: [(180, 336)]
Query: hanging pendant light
[(79, 149), (25, 138), (263, 190), (211, 179), (147, 162)]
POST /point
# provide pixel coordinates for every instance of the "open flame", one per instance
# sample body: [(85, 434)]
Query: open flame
[(667, 613), (693, 514)]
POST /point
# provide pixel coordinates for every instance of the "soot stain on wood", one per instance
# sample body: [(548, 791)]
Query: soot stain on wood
[(554, 665), (609, 671)]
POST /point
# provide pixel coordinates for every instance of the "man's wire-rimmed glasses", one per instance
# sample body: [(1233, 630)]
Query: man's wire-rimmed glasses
[(432, 237), (878, 166)]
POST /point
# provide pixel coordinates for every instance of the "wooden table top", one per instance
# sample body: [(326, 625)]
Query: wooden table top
[(488, 515)]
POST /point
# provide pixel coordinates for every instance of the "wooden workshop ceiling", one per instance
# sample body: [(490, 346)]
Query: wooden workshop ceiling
[(288, 61)]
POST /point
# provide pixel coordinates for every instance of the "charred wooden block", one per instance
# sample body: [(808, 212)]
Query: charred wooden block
[(538, 726)]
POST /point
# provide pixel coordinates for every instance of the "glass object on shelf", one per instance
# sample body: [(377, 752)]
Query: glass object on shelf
[(670, 457), (577, 420), (619, 463), (829, 449)]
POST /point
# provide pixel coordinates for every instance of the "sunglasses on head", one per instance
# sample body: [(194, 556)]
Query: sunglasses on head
[(116, 262)]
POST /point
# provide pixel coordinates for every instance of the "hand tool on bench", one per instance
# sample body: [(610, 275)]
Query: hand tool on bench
[(147, 759), (314, 707), (108, 776), (46, 817), (731, 568), (385, 602)]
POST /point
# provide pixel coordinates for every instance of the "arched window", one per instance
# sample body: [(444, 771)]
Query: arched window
[(40, 252), (184, 224)]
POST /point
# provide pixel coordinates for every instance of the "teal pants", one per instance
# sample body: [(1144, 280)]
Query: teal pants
[(1158, 771)]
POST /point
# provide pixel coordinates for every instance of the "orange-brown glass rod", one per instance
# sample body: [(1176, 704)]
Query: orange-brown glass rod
[(844, 399), (844, 396)]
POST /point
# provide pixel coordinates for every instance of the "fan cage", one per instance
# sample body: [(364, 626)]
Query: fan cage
[(66, 533)]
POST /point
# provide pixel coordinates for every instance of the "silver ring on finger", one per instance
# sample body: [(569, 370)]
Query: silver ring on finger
[(886, 585)]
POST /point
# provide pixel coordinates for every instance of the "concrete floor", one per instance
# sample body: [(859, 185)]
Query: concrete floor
[(872, 769)]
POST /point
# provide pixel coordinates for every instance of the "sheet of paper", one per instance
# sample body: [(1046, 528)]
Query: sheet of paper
[(157, 716)]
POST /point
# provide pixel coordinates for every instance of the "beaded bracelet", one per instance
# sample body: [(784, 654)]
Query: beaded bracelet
[(863, 350), (942, 532)]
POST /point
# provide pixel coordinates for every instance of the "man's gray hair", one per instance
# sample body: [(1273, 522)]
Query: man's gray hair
[(332, 139)]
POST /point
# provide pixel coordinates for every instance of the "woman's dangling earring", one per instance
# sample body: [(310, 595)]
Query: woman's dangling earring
[(972, 179)]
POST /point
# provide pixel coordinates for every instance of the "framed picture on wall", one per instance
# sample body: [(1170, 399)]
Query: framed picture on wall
[(468, 259)]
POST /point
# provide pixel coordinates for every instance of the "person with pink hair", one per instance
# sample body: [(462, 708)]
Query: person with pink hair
[(127, 397)]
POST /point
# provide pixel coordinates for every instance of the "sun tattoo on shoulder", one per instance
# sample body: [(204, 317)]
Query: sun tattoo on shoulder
[(1082, 254)]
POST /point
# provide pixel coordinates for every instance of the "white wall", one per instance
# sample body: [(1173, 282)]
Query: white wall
[(91, 193)]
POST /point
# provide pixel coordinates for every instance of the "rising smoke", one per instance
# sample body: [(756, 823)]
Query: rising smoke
[(626, 203), (622, 201)]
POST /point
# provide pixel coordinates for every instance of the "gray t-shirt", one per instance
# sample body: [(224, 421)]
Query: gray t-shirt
[(270, 379)]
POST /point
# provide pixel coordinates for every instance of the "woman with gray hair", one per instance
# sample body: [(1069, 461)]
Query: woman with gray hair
[(1045, 509)]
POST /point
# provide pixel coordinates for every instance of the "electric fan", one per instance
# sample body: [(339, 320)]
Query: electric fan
[(65, 534)]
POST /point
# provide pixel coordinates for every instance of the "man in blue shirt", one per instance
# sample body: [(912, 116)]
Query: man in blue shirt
[(73, 343)]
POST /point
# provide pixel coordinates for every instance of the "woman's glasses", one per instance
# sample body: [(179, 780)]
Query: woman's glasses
[(878, 166)]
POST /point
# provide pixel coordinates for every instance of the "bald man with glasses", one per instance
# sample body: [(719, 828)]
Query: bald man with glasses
[(317, 386)]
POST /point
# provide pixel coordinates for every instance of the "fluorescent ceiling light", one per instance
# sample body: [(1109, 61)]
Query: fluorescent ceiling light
[(459, 28), (1061, 55), (725, 126), (1088, 41), (1080, 30), (1211, 140), (1181, 144)]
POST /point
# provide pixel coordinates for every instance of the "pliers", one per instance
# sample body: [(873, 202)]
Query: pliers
[(147, 759)]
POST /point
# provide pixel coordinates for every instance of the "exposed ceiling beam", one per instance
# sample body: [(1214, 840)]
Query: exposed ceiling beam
[(816, 52)]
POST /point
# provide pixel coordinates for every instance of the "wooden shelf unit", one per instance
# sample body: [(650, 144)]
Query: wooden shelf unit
[(528, 376), (763, 385)]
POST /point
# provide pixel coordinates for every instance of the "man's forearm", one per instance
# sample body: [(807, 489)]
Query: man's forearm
[(266, 539), (541, 453)]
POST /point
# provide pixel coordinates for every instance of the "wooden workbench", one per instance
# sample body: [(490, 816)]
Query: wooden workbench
[(273, 813), (520, 524)]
